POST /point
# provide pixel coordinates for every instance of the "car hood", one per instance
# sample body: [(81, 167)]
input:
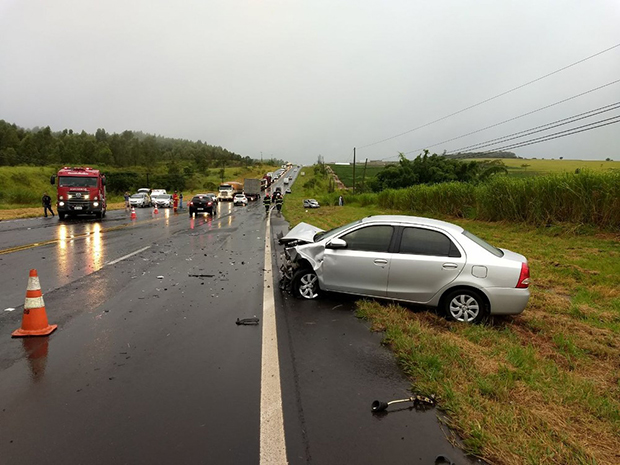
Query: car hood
[(303, 232)]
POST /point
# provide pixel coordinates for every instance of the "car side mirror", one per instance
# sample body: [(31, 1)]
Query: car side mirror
[(337, 244), (53, 179)]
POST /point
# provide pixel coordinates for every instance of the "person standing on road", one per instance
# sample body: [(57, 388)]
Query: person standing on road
[(267, 202), (279, 201), (126, 201), (47, 204), (175, 201), (181, 200)]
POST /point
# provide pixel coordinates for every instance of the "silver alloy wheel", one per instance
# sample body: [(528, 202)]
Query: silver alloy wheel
[(465, 308), (308, 285)]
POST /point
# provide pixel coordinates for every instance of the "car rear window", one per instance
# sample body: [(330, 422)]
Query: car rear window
[(419, 241), (485, 245)]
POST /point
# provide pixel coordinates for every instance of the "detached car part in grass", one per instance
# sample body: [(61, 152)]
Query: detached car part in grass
[(409, 259)]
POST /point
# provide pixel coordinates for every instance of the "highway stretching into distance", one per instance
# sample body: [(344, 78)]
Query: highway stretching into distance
[(148, 366)]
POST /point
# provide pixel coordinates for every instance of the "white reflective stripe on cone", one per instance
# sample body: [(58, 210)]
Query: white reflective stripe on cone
[(33, 284), (34, 302)]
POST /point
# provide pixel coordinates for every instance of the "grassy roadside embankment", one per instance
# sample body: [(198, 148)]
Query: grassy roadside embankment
[(539, 388), (21, 187)]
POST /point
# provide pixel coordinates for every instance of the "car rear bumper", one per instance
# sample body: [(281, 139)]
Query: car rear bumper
[(507, 301)]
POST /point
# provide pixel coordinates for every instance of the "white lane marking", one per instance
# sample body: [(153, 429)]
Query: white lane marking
[(272, 442), (113, 262)]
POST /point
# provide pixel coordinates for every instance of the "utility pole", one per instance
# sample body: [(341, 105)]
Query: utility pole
[(261, 158), (364, 175), (354, 170)]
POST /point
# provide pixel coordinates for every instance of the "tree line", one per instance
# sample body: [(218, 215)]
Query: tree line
[(42, 146)]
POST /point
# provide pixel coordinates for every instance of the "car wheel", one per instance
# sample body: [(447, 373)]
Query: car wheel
[(191, 212), (465, 305), (61, 216), (306, 284)]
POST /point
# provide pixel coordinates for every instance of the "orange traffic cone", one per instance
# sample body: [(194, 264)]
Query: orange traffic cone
[(155, 210), (133, 213), (34, 319)]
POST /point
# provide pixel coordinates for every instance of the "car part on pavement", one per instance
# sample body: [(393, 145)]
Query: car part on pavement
[(247, 321), (443, 459), (418, 401)]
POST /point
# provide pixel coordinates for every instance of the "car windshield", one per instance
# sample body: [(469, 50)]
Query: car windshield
[(77, 181), (327, 234), (485, 245), (137, 196), (161, 197)]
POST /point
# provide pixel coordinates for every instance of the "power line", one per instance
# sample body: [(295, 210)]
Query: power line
[(493, 98), (557, 135), (544, 127), (514, 118)]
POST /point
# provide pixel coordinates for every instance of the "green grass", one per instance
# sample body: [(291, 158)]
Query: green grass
[(540, 387)]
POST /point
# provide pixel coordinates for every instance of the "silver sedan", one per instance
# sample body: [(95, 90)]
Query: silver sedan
[(410, 259)]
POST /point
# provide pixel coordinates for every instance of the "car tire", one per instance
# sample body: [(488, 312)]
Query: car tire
[(305, 284), (465, 305), (61, 216), (191, 212)]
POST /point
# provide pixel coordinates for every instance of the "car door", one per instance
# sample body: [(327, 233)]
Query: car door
[(362, 266), (426, 261)]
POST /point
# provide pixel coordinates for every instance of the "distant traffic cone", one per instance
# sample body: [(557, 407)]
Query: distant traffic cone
[(155, 210), (34, 319), (133, 213)]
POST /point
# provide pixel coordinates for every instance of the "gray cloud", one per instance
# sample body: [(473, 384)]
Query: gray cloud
[(295, 79)]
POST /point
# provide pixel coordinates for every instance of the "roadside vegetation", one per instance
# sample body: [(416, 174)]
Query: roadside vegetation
[(515, 167), (541, 387)]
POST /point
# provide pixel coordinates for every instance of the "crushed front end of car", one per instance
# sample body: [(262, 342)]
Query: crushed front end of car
[(300, 251)]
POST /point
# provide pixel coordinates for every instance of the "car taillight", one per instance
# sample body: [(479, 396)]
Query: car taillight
[(524, 277), (209, 203), (191, 203)]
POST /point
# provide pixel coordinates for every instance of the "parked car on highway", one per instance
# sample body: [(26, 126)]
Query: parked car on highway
[(240, 199), (311, 203), (162, 200), (202, 203), (140, 199), (410, 259), (287, 191)]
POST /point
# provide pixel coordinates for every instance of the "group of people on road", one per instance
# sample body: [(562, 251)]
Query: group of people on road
[(276, 199)]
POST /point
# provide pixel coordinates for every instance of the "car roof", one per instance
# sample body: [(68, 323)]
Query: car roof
[(412, 220)]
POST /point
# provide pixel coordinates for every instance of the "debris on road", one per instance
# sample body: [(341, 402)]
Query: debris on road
[(201, 275), (247, 321), (418, 400), (10, 309), (160, 277)]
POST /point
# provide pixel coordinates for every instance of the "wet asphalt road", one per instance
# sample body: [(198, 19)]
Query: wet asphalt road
[(154, 370)]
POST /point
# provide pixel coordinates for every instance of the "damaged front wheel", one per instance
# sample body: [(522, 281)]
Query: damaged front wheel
[(306, 284)]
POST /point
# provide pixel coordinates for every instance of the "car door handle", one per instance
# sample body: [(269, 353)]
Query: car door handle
[(450, 266), (381, 261)]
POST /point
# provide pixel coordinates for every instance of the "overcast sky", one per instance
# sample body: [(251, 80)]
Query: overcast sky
[(297, 78)]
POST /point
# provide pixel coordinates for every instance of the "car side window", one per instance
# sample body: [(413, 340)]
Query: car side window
[(371, 238), (419, 241)]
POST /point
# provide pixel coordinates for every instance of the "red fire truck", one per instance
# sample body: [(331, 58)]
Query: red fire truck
[(81, 191)]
